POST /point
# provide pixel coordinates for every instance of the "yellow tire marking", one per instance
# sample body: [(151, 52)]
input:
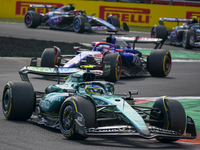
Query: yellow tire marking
[(165, 110), (116, 68), (10, 100)]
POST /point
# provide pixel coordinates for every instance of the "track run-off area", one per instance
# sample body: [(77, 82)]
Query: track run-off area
[(182, 84)]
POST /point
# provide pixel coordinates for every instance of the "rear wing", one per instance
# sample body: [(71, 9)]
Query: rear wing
[(141, 39), (161, 20), (159, 42), (33, 6)]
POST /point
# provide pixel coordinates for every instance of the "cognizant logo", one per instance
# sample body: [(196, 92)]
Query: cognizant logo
[(22, 7), (125, 14)]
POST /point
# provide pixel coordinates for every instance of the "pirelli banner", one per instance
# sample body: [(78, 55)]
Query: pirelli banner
[(133, 14)]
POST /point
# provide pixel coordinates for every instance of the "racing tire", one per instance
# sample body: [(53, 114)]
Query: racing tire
[(114, 20), (112, 67), (79, 24), (159, 63), (32, 19), (67, 116), (173, 115), (159, 31), (188, 39), (50, 57), (18, 100)]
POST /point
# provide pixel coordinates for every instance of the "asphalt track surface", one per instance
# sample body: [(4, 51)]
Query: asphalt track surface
[(183, 80)]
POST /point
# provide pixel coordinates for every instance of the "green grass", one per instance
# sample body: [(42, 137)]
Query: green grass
[(17, 20), (140, 29), (132, 28)]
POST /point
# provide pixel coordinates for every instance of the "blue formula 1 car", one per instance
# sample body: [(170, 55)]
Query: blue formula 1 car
[(186, 35), (82, 107), (68, 18), (115, 57)]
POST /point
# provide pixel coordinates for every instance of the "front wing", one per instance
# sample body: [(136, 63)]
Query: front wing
[(125, 130), (46, 71)]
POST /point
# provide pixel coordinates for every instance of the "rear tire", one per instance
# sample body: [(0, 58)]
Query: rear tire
[(114, 20), (50, 57), (79, 24), (112, 66), (18, 101), (68, 112), (159, 63), (173, 115), (32, 19), (188, 39), (159, 31)]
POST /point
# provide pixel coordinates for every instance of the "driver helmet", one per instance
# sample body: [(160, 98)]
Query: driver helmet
[(194, 19), (93, 89), (76, 12)]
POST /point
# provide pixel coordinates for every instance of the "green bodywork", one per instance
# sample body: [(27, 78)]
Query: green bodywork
[(55, 97)]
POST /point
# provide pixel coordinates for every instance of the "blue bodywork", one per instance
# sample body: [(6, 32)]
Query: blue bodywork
[(63, 18), (118, 45), (179, 34)]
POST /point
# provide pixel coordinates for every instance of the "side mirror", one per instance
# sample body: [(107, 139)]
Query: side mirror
[(133, 92)]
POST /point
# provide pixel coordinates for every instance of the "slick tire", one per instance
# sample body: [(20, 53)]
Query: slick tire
[(159, 31), (114, 20), (79, 24), (112, 67), (32, 19), (188, 39), (67, 116), (173, 115), (18, 101), (50, 57), (159, 63)]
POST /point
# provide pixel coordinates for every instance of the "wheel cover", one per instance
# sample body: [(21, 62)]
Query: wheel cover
[(6, 103), (68, 118), (76, 24), (167, 64), (28, 19), (153, 33), (184, 40), (192, 40)]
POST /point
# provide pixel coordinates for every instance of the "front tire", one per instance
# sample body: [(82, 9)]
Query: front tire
[(159, 63), (112, 66), (68, 112), (50, 57), (18, 101), (173, 115), (32, 19), (188, 39)]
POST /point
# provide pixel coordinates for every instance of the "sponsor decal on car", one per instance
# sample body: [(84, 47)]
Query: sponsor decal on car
[(126, 14), (44, 104), (53, 70), (99, 28)]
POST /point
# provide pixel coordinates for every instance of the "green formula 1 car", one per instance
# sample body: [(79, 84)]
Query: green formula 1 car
[(83, 107)]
